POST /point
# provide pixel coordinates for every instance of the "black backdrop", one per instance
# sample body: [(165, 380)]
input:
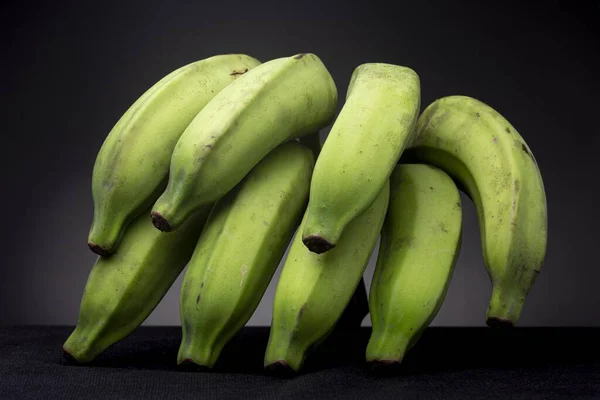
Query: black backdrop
[(70, 68)]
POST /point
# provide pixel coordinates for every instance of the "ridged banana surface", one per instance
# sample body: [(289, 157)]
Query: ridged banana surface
[(123, 289), (240, 248), (279, 100), (362, 149), (491, 162), (420, 242), (314, 289), (132, 166)]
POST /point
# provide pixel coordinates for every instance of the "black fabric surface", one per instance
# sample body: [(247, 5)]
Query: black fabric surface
[(446, 363)]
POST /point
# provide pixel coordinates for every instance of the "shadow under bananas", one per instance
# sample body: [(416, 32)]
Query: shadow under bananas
[(440, 350)]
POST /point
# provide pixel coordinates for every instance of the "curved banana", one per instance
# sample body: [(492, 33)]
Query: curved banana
[(240, 248), (123, 289), (313, 289), (273, 103), (358, 306), (420, 242), (364, 145), (492, 163), (132, 166)]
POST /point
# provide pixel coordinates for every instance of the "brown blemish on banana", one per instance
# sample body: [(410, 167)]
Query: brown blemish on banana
[(443, 227), (239, 72), (299, 56), (301, 312), (405, 242), (198, 299), (507, 129), (526, 151)]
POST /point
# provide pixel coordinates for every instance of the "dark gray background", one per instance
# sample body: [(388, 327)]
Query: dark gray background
[(70, 69)]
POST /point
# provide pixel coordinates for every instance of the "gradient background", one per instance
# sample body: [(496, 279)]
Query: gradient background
[(70, 69)]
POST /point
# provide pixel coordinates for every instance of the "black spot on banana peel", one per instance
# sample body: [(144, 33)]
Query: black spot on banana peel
[(526, 150), (302, 309)]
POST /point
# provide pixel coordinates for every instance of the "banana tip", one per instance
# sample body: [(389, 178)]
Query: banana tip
[(280, 369), (68, 357), (160, 222), (189, 365), (496, 322), (101, 251), (317, 244)]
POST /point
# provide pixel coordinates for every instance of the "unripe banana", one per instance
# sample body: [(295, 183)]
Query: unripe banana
[(239, 250), (364, 145), (280, 100), (420, 242), (358, 306), (313, 289), (486, 155), (132, 166), (123, 289)]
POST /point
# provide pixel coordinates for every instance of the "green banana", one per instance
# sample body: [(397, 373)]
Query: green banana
[(313, 289), (132, 166), (358, 306), (244, 239), (420, 242), (122, 290), (491, 162), (279, 100), (364, 145)]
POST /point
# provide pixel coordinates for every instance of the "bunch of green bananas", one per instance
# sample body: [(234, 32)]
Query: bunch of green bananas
[(219, 165)]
